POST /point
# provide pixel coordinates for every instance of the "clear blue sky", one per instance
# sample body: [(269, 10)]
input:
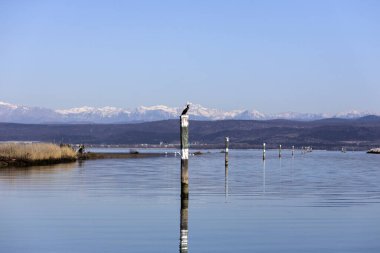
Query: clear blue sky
[(304, 56)]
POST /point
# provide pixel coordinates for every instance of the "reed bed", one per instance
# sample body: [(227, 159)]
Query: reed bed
[(36, 152)]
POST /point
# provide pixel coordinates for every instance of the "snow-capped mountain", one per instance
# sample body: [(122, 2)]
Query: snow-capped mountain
[(302, 116), (251, 114), (353, 114), (106, 114), (24, 114)]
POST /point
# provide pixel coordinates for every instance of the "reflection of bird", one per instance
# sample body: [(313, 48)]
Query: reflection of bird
[(185, 110)]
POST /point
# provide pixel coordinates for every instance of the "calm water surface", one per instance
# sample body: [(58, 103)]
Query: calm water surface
[(317, 202)]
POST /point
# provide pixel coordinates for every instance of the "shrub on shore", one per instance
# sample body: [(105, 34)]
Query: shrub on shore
[(36, 152)]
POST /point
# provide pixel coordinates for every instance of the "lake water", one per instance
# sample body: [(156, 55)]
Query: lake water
[(315, 202)]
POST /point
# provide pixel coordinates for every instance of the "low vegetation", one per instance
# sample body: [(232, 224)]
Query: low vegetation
[(34, 153)]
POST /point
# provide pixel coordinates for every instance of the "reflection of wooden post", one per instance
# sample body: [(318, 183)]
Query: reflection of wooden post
[(264, 179), (184, 227), (226, 180), (264, 151), (184, 156), (279, 151), (227, 141)]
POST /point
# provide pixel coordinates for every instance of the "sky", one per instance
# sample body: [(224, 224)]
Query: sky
[(273, 56)]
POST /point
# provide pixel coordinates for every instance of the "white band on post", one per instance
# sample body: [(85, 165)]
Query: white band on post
[(185, 121), (185, 153)]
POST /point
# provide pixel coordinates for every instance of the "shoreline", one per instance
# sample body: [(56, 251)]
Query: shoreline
[(6, 163), (105, 155), (11, 162)]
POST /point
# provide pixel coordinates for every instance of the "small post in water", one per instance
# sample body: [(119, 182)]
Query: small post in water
[(264, 151), (279, 151), (293, 151), (227, 141)]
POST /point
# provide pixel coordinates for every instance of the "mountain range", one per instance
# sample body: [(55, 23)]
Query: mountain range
[(35, 115)]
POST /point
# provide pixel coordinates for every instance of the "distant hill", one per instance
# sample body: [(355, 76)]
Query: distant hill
[(369, 118), (361, 133)]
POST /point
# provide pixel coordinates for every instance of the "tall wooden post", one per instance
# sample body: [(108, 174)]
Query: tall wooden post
[(184, 119), (184, 156), (264, 151), (279, 151)]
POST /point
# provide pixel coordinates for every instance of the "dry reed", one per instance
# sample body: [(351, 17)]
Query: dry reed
[(35, 151)]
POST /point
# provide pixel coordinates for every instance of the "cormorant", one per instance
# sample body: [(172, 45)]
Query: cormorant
[(185, 110)]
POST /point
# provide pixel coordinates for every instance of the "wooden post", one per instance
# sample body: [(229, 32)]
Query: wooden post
[(184, 156), (227, 141), (292, 150), (264, 151), (184, 119), (279, 151)]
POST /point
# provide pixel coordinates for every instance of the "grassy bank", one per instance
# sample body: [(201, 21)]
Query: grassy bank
[(26, 154)]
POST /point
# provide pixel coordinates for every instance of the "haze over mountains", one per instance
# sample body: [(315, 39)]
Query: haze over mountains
[(24, 114)]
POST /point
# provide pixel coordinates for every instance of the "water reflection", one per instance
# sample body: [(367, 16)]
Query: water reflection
[(264, 179), (34, 172), (226, 180), (81, 163), (184, 229)]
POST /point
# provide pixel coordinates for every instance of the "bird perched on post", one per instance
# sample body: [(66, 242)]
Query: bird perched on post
[(186, 109)]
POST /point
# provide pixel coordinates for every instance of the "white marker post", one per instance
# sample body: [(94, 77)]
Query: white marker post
[(279, 151)]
